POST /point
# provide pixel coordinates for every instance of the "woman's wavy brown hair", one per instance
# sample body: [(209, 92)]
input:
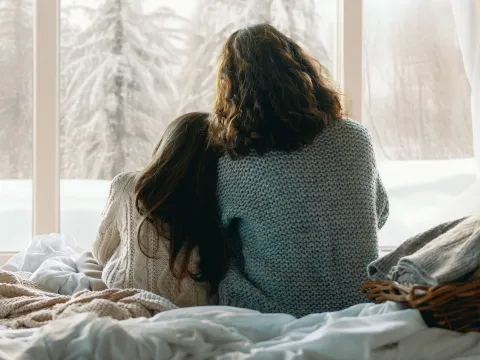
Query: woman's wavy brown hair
[(176, 194), (270, 94)]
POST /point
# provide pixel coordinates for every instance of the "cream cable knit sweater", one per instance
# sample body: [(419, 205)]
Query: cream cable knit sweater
[(125, 266)]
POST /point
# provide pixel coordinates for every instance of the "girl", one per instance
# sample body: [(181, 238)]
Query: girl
[(298, 187), (159, 230)]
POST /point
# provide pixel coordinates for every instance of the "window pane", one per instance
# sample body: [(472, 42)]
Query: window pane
[(16, 64), (417, 107), (130, 67)]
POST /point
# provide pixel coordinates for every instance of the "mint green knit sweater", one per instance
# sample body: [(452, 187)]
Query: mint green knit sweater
[(304, 223)]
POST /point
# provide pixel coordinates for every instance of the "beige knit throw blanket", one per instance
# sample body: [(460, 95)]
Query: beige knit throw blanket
[(24, 305)]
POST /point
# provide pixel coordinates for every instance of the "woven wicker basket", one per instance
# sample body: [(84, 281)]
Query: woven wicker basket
[(449, 306)]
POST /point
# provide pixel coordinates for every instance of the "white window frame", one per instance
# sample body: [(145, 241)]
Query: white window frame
[(46, 174), (46, 150), (351, 56)]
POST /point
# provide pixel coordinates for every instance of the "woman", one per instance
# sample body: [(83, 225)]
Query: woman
[(159, 230), (298, 187)]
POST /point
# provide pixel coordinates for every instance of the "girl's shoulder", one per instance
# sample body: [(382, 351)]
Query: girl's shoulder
[(125, 177), (123, 183)]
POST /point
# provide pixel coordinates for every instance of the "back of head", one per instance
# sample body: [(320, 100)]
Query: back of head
[(176, 193), (270, 94)]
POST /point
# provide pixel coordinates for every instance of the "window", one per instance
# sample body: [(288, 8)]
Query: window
[(95, 104), (417, 108), (129, 68), (16, 126)]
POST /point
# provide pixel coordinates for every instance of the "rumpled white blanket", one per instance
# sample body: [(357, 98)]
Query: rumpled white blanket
[(363, 332), (51, 262)]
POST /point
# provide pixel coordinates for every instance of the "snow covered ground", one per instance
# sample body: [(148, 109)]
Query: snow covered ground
[(424, 193), (421, 194)]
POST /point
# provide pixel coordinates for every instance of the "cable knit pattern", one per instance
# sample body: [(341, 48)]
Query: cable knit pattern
[(304, 223), (125, 266)]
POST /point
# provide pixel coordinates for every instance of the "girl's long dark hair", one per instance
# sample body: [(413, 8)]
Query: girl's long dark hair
[(176, 194)]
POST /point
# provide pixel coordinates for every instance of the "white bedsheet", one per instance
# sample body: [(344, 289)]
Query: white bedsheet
[(362, 332), (51, 261), (365, 331)]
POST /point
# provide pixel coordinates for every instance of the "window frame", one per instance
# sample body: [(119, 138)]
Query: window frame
[(351, 57), (46, 150)]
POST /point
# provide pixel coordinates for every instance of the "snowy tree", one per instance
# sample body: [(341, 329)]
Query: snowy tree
[(217, 19), (16, 61), (209, 31), (118, 73), (301, 21)]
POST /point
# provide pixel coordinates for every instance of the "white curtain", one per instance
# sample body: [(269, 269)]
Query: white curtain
[(467, 20)]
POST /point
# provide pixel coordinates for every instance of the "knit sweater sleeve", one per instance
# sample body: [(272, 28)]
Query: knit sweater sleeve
[(382, 204), (108, 235)]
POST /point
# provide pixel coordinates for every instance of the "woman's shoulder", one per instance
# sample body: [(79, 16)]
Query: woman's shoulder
[(348, 131), (343, 132), (349, 126)]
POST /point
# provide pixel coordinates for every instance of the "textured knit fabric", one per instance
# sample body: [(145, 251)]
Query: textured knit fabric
[(125, 266), (447, 253), (304, 224), (385, 267), (24, 305)]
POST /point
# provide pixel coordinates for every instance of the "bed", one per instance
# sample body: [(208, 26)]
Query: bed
[(365, 331)]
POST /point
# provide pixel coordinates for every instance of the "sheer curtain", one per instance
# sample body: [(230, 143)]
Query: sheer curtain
[(467, 20), (417, 108)]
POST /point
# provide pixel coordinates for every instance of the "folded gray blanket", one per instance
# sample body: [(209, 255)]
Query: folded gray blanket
[(446, 253)]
